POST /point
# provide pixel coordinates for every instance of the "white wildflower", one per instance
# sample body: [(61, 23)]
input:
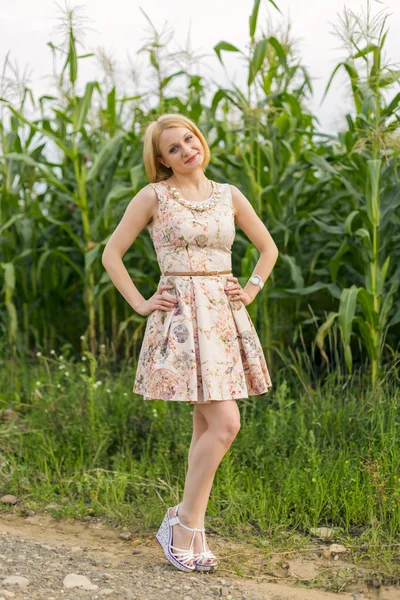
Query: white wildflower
[(52, 351), (82, 337), (61, 357), (38, 354), (61, 367), (84, 358), (38, 383), (125, 394)]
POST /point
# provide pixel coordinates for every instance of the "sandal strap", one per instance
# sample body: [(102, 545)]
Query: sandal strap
[(176, 521)]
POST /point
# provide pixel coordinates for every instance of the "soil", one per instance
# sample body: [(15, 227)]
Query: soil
[(44, 550)]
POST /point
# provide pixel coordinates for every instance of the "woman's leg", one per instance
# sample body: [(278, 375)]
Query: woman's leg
[(199, 427), (223, 423)]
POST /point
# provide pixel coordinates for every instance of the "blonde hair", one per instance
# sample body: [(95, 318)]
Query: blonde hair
[(155, 170)]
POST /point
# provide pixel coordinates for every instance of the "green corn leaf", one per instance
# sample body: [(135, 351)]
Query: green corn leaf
[(257, 60), (389, 78), (336, 260), (68, 229), (72, 59), (381, 275), (107, 152), (310, 289), (366, 301), (319, 161), (323, 331), (84, 105), (373, 200), (91, 255), (387, 304), (168, 79), (349, 220), (295, 270), (368, 48), (347, 310), (60, 255), (68, 151), (368, 337), (253, 18), (226, 47), (277, 46)]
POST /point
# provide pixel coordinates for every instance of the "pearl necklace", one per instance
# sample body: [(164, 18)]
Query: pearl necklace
[(215, 196)]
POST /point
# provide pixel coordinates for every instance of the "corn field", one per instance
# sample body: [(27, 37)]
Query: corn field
[(71, 161)]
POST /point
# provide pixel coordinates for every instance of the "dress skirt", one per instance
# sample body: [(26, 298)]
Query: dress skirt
[(204, 349)]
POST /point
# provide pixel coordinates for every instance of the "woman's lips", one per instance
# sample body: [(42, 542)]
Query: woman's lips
[(191, 159)]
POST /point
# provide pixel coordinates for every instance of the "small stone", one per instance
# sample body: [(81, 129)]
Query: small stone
[(31, 513), (322, 532), (337, 549), (76, 549), (79, 581), (136, 551), (46, 547), (87, 518), (125, 536), (106, 592), (16, 580), (7, 594), (9, 499), (50, 506), (224, 591)]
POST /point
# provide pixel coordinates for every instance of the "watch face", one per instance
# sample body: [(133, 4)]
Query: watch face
[(256, 279)]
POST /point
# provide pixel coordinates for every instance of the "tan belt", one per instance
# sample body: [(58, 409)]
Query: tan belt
[(197, 273)]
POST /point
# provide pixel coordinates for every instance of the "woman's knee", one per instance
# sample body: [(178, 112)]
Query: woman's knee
[(227, 431)]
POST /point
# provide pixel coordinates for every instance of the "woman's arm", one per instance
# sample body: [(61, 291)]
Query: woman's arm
[(248, 220), (138, 214)]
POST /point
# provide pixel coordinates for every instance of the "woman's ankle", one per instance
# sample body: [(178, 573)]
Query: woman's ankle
[(188, 518)]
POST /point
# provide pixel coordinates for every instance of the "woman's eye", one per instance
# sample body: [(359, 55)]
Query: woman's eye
[(173, 149), (189, 137)]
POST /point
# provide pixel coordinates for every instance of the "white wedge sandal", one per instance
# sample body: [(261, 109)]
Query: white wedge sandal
[(182, 557), (202, 556)]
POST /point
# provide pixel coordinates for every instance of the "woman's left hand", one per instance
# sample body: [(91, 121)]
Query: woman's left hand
[(235, 292)]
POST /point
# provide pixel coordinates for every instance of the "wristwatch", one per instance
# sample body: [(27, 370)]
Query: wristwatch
[(256, 279)]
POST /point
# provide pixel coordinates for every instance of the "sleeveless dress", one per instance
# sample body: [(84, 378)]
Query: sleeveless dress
[(206, 348)]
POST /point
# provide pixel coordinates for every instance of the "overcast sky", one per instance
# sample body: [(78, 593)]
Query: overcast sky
[(119, 27)]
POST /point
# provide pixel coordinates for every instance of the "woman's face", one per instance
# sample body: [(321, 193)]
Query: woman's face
[(180, 149)]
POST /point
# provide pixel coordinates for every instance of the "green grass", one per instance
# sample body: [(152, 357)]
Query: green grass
[(329, 456)]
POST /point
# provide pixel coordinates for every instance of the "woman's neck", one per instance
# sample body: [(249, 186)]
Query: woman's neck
[(193, 180)]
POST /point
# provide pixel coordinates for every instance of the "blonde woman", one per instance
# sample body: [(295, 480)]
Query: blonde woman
[(200, 345)]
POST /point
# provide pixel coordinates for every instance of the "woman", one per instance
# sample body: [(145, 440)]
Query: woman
[(200, 345)]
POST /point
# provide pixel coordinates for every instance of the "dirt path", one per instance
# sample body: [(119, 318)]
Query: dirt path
[(44, 551)]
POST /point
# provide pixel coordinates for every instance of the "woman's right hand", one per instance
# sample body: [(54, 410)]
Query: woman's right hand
[(158, 301)]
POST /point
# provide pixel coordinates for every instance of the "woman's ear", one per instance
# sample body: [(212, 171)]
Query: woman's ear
[(163, 162)]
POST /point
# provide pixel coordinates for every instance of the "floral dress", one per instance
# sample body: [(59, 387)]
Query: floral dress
[(206, 348)]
